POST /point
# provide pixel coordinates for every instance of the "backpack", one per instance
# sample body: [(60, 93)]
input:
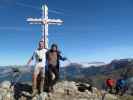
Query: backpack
[(121, 83)]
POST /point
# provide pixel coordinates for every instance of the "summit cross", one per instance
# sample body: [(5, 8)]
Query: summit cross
[(44, 22)]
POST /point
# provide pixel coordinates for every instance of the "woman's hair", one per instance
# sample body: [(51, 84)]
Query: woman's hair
[(54, 45)]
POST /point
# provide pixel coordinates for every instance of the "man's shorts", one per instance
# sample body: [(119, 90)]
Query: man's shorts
[(39, 68)]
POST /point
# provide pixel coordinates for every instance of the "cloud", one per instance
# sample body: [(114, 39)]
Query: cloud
[(27, 5), (37, 8), (12, 2), (56, 12)]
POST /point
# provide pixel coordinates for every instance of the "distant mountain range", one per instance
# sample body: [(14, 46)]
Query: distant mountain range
[(87, 64), (94, 68), (77, 71), (97, 75)]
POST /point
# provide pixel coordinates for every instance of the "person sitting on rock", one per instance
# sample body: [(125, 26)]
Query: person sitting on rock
[(40, 58), (110, 83), (121, 86), (52, 58)]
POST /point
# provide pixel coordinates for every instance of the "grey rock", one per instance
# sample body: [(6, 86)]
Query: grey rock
[(64, 90)]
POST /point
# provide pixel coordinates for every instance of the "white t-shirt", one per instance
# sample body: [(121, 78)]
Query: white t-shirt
[(40, 57)]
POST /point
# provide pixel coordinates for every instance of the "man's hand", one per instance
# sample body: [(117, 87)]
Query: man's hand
[(30, 60)]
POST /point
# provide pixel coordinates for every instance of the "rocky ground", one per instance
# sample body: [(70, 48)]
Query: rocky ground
[(62, 91)]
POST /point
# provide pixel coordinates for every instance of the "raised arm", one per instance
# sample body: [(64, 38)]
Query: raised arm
[(61, 57), (30, 60)]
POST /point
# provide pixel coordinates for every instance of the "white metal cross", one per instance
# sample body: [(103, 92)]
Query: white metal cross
[(44, 21)]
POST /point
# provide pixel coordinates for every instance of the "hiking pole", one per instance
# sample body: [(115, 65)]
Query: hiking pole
[(18, 75)]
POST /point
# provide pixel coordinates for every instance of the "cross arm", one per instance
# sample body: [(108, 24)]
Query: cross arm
[(34, 20), (55, 21)]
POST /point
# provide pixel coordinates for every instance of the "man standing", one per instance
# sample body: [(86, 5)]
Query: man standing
[(52, 58), (40, 58), (121, 86), (110, 83)]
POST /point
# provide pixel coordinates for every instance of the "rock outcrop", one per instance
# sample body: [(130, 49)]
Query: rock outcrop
[(62, 91), (6, 93)]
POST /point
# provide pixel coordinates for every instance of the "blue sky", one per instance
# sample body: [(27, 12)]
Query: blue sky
[(94, 30)]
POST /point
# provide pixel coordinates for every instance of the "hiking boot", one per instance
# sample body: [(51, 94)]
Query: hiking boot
[(35, 91), (49, 94), (51, 89)]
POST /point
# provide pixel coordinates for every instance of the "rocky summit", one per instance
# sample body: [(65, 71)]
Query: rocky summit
[(64, 90)]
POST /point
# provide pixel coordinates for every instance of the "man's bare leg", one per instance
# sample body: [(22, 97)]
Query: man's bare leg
[(42, 80), (34, 85)]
